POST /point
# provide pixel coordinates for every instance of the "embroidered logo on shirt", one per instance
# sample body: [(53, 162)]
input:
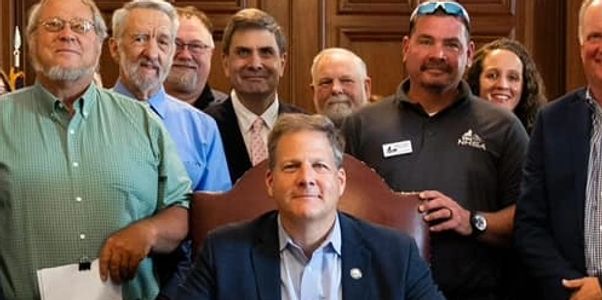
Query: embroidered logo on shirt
[(472, 139)]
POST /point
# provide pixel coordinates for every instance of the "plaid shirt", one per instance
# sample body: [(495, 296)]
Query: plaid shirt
[(593, 200)]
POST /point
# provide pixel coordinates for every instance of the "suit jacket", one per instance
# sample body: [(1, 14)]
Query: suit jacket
[(234, 143), (550, 212), (242, 261)]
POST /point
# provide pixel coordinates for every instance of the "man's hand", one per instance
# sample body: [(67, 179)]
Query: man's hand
[(124, 250), (444, 213), (586, 288)]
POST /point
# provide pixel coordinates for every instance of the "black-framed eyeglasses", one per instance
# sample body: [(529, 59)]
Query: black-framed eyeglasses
[(447, 7), (78, 25), (194, 47)]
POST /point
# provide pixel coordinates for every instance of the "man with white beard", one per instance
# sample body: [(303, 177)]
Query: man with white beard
[(187, 79), (340, 83), (143, 45), (95, 179)]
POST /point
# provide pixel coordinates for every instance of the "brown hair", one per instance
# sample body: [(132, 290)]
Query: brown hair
[(253, 18), (191, 11), (533, 91), (295, 122)]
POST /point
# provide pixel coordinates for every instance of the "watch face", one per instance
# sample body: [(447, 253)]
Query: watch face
[(480, 223)]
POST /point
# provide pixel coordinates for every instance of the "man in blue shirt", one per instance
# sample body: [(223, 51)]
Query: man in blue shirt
[(306, 249), (143, 45)]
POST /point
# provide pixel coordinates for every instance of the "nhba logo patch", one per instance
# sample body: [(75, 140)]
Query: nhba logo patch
[(471, 139)]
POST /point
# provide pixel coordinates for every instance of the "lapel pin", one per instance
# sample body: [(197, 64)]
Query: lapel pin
[(355, 273)]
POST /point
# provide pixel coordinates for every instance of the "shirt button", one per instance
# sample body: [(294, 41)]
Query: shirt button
[(85, 113), (75, 164), (71, 131), (78, 199), (600, 227), (82, 236)]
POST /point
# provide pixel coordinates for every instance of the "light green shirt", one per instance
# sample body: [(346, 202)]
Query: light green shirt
[(76, 180)]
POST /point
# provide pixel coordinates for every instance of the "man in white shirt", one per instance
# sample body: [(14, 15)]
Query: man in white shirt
[(254, 57)]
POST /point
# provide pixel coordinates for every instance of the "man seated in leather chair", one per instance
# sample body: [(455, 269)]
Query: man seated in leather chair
[(306, 249)]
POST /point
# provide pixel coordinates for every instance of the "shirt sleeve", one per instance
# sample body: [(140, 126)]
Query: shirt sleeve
[(511, 162), (174, 183), (216, 177)]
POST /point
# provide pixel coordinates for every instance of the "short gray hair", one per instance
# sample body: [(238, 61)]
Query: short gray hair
[(584, 6), (295, 122), (100, 27), (359, 63), (121, 14)]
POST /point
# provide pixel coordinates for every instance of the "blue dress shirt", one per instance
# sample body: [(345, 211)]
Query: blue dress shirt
[(316, 277), (196, 137)]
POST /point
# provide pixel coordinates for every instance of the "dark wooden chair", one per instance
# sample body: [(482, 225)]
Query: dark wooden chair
[(366, 197)]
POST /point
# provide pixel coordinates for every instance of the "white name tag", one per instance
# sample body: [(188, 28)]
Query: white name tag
[(398, 148)]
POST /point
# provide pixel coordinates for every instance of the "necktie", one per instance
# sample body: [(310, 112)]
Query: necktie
[(258, 148)]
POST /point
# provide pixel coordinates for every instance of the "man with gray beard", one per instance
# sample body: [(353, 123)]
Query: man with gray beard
[(143, 46), (340, 83), (187, 79), (95, 177)]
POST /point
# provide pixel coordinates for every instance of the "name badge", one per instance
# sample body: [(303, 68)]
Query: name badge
[(398, 148)]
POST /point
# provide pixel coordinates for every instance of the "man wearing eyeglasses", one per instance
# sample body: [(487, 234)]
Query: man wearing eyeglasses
[(143, 46), (93, 174), (463, 154), (187, 79)]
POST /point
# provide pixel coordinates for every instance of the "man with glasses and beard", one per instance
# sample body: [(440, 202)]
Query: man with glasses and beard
[(93, 174), (187, 79), (340, 83), (143, 46), (463, 153)]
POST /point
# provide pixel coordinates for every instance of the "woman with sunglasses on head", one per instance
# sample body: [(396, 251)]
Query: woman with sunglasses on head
[(504, 73)]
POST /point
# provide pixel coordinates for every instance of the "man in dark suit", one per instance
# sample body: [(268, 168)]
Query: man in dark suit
[(254, 56), (306, 249), (558, 217)]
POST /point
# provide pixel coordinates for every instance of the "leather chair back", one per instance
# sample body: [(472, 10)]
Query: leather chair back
[(366, 197)]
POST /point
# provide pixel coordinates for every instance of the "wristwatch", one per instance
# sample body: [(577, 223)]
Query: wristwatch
[(478, 222)]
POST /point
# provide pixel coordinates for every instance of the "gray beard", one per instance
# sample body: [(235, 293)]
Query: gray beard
[(141, 82), (186, 83), (337, 112), (62, 74)]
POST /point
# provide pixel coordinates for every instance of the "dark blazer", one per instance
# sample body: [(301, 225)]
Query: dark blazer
[(550, 212), (234, 144), (242, 261)]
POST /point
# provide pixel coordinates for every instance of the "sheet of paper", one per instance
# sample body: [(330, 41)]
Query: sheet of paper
[(68, 282)]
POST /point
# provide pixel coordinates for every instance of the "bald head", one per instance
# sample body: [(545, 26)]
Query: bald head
[(340, 83)]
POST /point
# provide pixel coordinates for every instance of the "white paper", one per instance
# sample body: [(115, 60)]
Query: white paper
[(68, 282)]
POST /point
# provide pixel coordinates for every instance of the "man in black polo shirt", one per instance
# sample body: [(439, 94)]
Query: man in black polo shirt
[(463, 154)]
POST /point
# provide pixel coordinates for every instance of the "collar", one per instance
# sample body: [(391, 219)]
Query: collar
[(157, 102), (464, 94), (589, 98), (52, 105), (247, 117), (333, 239), (205, 98)]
